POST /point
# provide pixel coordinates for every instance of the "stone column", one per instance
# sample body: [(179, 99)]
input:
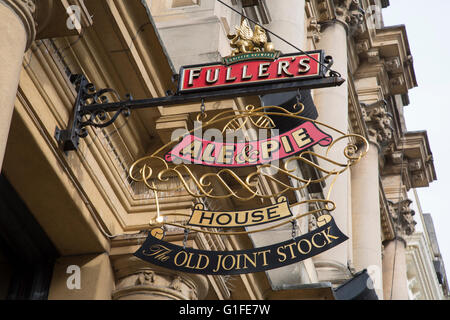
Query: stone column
[(332, 106), (366, 229), (395, 284), (139, 280), (395, 281), (288, 21), (366, 222), (17, 32)]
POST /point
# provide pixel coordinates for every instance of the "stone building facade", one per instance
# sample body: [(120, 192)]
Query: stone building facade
[(77, 213)]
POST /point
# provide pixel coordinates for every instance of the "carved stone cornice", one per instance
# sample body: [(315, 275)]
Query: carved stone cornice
[(25, 10), (403, 217), (411, 157)]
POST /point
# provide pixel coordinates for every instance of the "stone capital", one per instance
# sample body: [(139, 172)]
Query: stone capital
[(379, 123), (349, 11), (137, 279), (403, 217), (26, 11)]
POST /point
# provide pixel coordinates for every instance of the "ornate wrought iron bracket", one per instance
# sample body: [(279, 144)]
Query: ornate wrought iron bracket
[(83, 117), (92, 105)]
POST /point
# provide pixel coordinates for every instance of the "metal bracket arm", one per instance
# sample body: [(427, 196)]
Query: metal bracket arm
[(91, 106)]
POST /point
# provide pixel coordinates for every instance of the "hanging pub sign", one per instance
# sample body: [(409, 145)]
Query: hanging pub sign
[(253, 62), (189, 260), (250, 69), (226, 183)]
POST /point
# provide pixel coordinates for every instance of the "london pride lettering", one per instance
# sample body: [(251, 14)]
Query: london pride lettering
[(189, 260), (193, 149)]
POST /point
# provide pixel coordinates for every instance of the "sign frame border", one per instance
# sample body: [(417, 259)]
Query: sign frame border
[(320, 74)]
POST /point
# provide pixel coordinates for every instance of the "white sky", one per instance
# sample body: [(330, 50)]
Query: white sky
[(428, 33)]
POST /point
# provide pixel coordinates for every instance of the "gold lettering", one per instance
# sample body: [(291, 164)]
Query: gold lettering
[(327, 235), (226, 154), (200, 256), (301, 138), (220, 155), (247, 155), (207, 153), (286, 144), (159, 252), (314, 241), (218, 262), (189, 261), (290, 249), (264, 253), (238, 261), (281, 253), (247, 258), (193, 149), (233, 259), (267, 147), (175, 260), (299, 247)]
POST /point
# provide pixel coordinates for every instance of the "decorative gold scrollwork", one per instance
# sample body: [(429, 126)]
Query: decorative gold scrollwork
[(154, 170)]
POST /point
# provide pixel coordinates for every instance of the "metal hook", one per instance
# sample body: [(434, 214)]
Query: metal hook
[(202, 107), (299, 97)]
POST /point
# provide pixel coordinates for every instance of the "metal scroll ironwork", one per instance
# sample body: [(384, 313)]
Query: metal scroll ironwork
[(92, 106), (154, 170), (83, 117)]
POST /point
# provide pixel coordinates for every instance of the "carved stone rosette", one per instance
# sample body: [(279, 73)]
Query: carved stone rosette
[(138, 280), (403, 217)]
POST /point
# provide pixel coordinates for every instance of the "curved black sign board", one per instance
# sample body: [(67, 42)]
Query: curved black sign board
[(188, 260)]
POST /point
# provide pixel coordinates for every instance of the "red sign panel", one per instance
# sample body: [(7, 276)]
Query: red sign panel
[(291, 67)]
